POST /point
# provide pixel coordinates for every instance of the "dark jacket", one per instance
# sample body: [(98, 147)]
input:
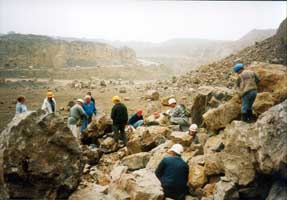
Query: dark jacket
[(119, 114), (172, 172), (134, 118)]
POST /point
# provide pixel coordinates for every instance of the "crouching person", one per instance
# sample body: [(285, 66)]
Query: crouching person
[(77, 114), (178, 115), (136, 119), (173, 174)]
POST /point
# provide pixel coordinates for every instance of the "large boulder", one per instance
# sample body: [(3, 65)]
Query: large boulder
[(204, 100), (225, 190), (263, 102), (139, 185), (162, 120), (182, 138), (197, 177), (219, 117), (146, 138), (136, 161), (92, 192), (273, 79), (39, 158)]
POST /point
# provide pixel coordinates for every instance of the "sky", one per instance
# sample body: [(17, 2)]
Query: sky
[(151, 21)]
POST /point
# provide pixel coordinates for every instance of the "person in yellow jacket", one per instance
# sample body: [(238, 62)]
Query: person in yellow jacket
[(247, 88)]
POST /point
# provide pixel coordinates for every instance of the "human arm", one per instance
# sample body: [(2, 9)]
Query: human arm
[(160, 169)]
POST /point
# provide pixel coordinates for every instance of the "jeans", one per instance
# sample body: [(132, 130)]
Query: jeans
[(119, 132), (138, 123), (85, 123), (247, 101)]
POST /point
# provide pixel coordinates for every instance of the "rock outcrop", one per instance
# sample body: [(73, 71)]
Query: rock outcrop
[(39, 158), (40, 51)]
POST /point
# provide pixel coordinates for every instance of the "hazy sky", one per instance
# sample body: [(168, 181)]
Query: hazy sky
[(139, 20)]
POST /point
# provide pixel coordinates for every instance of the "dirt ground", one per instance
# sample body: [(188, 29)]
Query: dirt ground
[(35, 95)]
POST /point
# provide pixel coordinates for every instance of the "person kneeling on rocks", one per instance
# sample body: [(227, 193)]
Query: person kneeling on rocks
[(247, 87), (77, 114), (173, 172), (119, 116), (136, 119), (178, 115)]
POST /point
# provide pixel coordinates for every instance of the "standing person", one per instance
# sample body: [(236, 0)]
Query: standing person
[(77, 114), (136, 119), (20, 106), (247, 88), (49, 104), (173, 172), (119, 116), (90, 109), (92, 99), (177, 113)]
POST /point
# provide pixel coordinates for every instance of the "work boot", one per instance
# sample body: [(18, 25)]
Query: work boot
[(250, 116), (244, 117)]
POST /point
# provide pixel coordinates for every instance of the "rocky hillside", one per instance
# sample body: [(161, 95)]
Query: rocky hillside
[(272, 50), (22, 51)]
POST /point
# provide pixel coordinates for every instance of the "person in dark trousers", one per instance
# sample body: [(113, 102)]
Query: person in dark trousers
[(90, 109), (173, 172), (92, 99), (136, 119), (119, 116), (247, 89)]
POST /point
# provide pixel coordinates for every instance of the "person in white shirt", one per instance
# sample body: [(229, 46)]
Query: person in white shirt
[(49, 104)]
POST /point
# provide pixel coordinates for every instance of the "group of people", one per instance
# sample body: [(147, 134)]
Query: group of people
[(172, 170)]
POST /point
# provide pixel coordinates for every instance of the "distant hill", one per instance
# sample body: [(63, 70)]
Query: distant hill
[(271, 50), (18, 50)]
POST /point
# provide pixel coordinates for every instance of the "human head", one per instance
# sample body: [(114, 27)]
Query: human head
[(21, 99), (89, 93), (88, 99), (156, 115), (50, 95), (139, 112), (176, 149), (238, 68), (116, 99), (172, 102), (193, 129), (80, 102)]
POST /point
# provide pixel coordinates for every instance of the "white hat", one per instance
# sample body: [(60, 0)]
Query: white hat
[(193, 127), (171, 101), (80, 100), (177, 148)]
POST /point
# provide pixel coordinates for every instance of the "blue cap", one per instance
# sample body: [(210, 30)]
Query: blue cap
[(238, 67)]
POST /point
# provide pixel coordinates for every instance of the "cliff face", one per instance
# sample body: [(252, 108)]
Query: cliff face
[(18, 50)]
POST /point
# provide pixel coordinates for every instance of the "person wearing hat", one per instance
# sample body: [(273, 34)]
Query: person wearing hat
[(90, 109), (49, 104), (136, 119), (20, 106), (193, 133), (77, 114), (119, 116), (246, 85), (173, 172), (177, 113)]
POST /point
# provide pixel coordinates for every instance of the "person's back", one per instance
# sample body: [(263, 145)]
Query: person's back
[(20, 108), (119, 114), (247, 81), (76, 113), (173, 174)]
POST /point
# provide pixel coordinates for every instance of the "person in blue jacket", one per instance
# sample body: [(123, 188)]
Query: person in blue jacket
[(173, 172), (136, 119), (90, 109)]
